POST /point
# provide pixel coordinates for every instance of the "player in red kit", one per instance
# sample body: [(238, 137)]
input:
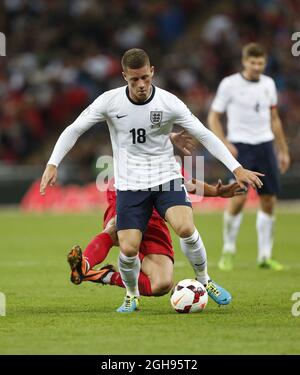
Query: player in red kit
[(156, 251)]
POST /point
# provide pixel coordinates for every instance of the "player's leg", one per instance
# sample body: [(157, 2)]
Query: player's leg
[(265, 216), (175, 207), (157, 253), (133, 212), (129, 267), (265, 221), (107, 275), (181, 220), (194, 249), (233, 215), (113, 277), (98, 249), (155, 278), (232, 219), (95, 252), (159, 270), (156, 241)]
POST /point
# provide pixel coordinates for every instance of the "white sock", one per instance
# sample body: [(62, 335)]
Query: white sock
[(106, 279), (129, 268), (231, 226), (194, 250), (264, 228), (87, 265)]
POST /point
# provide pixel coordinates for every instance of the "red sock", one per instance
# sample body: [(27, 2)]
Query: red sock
[(144, 283), (97, 250)]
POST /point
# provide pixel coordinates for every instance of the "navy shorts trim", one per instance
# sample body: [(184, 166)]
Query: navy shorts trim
[(134, 208), (261, 158)]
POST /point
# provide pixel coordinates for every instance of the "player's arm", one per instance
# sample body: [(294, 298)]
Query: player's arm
[(89, 117), (214, 145), (280, 141), (215, 125), (218, 107), (219, 190)]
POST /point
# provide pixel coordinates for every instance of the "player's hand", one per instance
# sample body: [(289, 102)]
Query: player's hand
[(231, 147), (244, 177), (184, 142), (111, 229), (283, 161), (49, 178), (228, 191)]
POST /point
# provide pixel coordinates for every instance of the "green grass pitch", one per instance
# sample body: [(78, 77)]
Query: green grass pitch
[(46, 314)]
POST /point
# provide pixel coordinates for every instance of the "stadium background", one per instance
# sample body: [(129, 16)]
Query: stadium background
[(60, 56), (63, 54)]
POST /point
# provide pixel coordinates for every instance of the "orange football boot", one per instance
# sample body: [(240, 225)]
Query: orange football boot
[(78, 265)]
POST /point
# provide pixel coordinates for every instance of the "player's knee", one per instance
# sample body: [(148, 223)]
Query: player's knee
[(162, 287), (128, 249), (236, 204), (185, 230), (267, 204)]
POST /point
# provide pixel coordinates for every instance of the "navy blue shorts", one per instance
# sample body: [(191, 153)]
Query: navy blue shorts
[(134, 208), (261, 158)]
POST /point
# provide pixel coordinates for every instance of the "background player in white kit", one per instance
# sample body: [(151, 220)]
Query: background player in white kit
[(249, 99), (140, 118)]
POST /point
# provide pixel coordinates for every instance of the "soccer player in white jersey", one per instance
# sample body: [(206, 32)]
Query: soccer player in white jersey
[(249, 99), (140, 118)]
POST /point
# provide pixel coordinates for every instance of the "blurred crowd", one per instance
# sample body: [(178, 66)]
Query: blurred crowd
[(63, 54)]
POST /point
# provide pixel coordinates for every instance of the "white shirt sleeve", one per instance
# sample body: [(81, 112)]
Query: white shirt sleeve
[(222, 97), (274, 99), (93, 114), (210, 141)]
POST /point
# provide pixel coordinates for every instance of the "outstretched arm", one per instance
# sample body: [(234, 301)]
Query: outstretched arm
[(219, 190)]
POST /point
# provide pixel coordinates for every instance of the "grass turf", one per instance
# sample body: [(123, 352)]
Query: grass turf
[(46, 314)]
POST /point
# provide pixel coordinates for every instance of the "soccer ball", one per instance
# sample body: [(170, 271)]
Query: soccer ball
[(189, 296)]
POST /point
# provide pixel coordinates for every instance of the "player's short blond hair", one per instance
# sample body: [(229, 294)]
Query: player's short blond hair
[(135, 58), (253, 50)]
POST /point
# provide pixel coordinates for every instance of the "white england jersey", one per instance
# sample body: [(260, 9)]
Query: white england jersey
[(142, 150), (247, 104)]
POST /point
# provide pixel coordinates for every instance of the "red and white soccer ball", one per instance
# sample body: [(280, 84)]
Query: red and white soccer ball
[(189, 296)]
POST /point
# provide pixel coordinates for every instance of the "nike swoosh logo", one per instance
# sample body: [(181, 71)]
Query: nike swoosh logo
[(121, 116), (177, 301)]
